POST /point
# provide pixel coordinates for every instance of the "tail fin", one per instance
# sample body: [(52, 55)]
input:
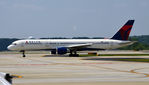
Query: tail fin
[(124, 32)]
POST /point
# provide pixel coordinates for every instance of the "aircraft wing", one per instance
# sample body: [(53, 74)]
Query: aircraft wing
[(77, 46)]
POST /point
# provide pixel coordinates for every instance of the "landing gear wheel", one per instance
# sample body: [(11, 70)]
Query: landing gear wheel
[(23, 53), (74, 55), (70, 55), (77, 55)]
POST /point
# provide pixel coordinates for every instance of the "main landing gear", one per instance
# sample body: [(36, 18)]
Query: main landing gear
[(73, 53), (23, 53)]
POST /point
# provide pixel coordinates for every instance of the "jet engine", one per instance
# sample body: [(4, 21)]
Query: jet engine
[(62, 50)]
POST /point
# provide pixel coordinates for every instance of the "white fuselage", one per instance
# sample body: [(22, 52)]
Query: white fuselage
[(48, 44)]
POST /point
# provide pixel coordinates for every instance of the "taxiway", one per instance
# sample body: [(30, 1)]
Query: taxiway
[(56, 70)]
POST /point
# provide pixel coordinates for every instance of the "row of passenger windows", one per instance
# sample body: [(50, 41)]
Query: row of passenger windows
[(38, 42), (65, 43), (32, 42)]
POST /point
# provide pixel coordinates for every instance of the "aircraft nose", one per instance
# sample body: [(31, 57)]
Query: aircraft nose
[(10, 47)]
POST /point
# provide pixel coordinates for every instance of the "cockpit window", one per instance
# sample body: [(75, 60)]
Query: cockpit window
[(14, 44)]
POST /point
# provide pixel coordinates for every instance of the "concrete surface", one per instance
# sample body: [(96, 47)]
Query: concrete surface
[(56, 70)]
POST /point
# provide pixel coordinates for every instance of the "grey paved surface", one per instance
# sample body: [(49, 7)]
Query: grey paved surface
[(54, 70)]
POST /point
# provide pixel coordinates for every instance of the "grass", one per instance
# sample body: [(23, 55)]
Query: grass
[(119, 59), (135, 60), (89, 55), (123, 55)]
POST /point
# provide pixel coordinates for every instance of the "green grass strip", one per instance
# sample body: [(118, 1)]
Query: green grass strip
[(135, 60), (89, 55), (123, 55)]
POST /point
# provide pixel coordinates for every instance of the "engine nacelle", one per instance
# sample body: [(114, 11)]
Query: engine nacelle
[(62, 50)]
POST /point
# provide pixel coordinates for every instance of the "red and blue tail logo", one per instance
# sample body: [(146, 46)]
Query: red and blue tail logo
[(124, 32)]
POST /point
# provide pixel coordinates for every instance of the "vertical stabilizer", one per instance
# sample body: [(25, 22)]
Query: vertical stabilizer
[(124, 32)]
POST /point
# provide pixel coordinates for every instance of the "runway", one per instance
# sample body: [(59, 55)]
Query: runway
[(56, 70)]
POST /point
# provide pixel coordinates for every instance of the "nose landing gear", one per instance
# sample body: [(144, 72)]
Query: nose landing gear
[(23, 53)]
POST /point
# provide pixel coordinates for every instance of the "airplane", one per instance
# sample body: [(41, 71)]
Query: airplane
[(63, 46), (6, 78)]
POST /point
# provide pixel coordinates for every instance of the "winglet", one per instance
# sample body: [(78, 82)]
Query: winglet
[(124, 32)]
